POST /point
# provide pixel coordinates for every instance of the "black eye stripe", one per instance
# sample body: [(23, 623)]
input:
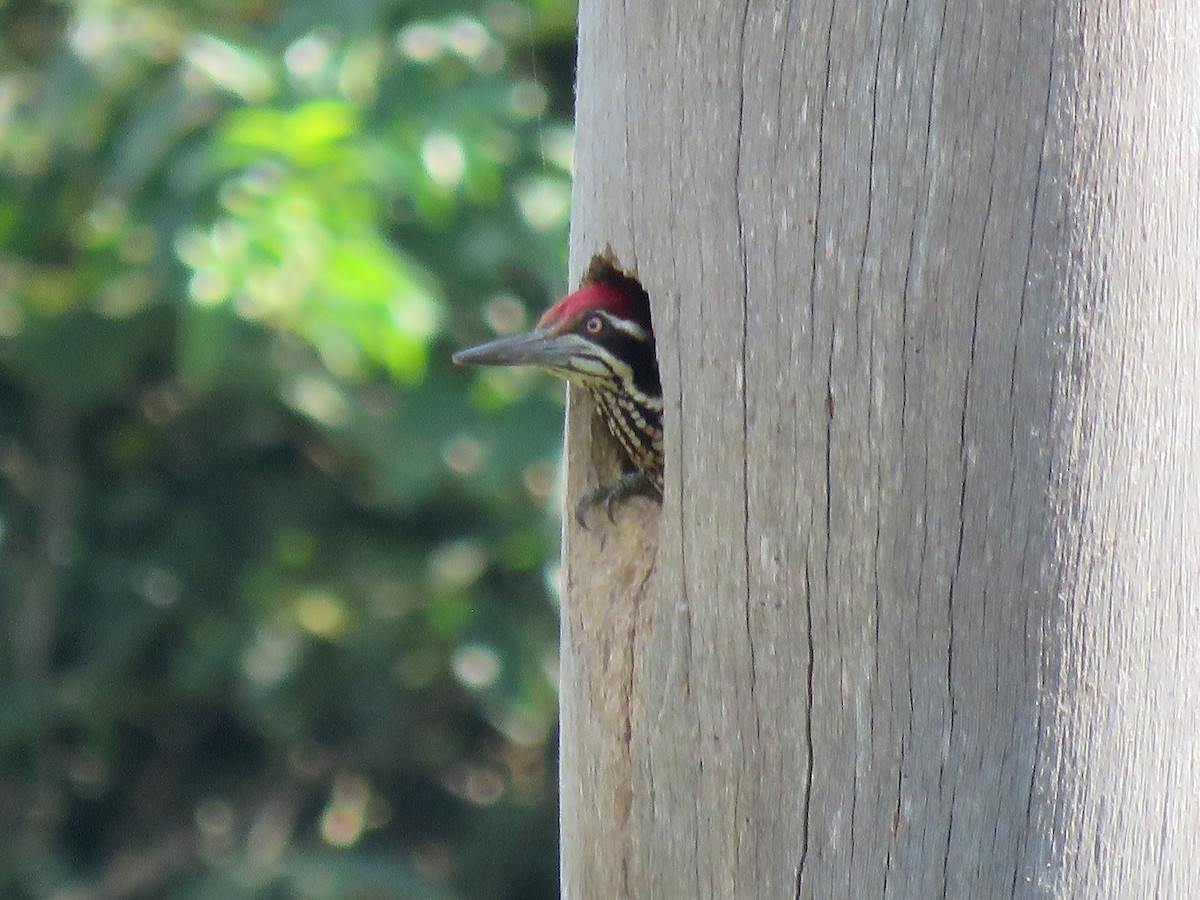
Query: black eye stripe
[(637, 350)]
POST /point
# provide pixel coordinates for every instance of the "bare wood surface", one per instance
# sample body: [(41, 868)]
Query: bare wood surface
[(919, 614)]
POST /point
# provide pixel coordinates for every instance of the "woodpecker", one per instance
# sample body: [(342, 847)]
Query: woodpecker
[(600, 338)]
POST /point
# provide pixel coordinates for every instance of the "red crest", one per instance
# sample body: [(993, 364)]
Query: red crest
[(612, 298)]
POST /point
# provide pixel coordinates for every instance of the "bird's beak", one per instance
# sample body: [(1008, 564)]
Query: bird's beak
[(543, 347)]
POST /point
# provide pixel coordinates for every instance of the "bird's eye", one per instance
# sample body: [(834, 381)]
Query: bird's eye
[(594, 325)]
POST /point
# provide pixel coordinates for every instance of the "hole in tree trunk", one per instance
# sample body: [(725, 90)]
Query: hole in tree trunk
[(625, 428)]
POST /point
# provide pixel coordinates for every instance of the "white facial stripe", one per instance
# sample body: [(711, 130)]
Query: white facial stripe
[(592, 364), (632, 329)]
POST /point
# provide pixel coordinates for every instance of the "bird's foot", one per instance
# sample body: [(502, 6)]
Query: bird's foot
[(631, 484)]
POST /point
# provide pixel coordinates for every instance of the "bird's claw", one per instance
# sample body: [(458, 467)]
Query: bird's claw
[(630, 484)]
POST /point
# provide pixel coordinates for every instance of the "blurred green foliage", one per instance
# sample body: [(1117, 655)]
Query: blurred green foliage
[(276, 579)]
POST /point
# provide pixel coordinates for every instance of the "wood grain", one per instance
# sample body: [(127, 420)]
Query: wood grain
[(918, 616)]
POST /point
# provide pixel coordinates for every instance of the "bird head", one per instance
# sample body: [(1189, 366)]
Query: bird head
[(596, 337)]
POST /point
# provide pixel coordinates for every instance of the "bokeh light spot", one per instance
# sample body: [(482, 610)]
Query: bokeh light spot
[(505, 314), (507, 17), (558, 146), (208, 287), (527, 99), (271, 656), (468, 37), (476, 666), (345, 817), (463, 455), (477, 785), (422, 43), (525, 727), (544, 203), (229, 67), (456, 565), (444, 159), (541, 478), (307, 56), (322, 615), (320, 399)]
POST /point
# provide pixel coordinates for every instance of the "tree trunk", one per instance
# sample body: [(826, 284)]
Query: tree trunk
[(918, 616)]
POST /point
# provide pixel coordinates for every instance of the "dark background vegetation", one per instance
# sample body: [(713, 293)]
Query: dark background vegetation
[(276, 581)]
